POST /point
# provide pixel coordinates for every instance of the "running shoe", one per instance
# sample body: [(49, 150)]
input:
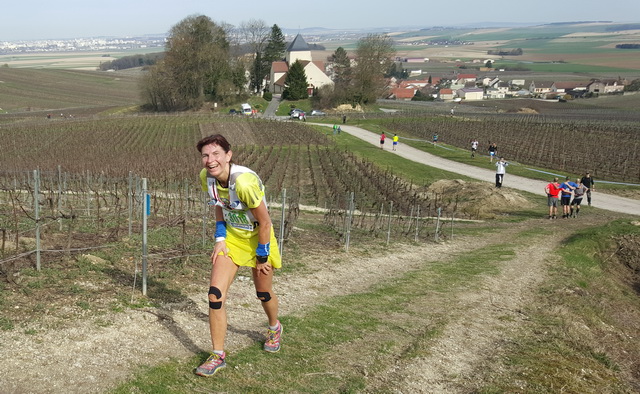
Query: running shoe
[(272, 344), (214, 363)]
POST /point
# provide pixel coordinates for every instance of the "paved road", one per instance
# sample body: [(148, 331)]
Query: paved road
[(600, 200), (271, 109)]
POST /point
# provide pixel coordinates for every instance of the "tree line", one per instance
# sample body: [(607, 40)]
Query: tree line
[(204, 61), (132, 61), (505, 52)]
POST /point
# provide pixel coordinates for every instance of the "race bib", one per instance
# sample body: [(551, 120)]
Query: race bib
[(238, 219)]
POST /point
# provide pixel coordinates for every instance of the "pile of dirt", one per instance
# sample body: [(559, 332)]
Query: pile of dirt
[(477, 200), (348, 108)]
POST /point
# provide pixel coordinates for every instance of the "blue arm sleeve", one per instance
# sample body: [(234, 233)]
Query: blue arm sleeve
[(221, 229)]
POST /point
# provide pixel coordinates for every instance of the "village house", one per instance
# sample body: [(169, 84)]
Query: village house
[(446, 94), (314, 70), (606, 86), (493, 93), (471, 93), (565, 87), (489, 81), (402, 93), (539, 88), (461, 79), (417, 83)]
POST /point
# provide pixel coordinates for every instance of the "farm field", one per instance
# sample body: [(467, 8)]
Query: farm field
[(565, 49), (65, 91), (516, 303), (83, 60)]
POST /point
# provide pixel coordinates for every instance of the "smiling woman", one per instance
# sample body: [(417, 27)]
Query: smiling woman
[(244, 237)]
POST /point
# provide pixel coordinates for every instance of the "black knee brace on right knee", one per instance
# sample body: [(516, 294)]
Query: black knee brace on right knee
[(216, 292)]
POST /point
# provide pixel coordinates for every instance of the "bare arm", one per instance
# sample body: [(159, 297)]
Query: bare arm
[(220, 246)]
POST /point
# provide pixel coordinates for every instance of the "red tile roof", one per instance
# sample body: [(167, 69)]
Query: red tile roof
[(280, 67)]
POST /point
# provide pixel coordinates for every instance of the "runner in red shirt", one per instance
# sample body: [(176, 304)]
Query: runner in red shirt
[(553, 191)]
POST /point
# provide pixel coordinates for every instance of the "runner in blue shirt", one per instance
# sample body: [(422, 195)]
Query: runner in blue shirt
[(565, 198)]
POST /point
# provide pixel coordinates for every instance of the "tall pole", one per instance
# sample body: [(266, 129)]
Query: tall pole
[(437, 235), (145, 213), (59, 197), (36, 212), (284, 200), (130, 202), (389, 222)]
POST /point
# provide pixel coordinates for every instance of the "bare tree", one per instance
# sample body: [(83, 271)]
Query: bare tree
[(374, 56), (255, 33)]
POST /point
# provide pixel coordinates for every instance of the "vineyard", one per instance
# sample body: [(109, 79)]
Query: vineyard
[(89, 173), (78, 185), (611, 150)]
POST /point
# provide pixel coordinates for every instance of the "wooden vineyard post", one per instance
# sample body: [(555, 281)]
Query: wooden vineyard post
[(282, 209), (438, 224), (389, 222), (130, 202), (417, 222), (349, 218), (205, 205), (145, 213), (36, 212), (59, 198)]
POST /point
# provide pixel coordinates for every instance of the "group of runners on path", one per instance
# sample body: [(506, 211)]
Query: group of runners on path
[(565, 191), (394, 140)]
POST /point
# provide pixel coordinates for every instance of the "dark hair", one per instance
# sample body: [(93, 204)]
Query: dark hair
[(215, 139)]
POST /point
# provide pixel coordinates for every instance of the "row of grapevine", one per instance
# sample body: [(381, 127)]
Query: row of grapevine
[(610, 150)]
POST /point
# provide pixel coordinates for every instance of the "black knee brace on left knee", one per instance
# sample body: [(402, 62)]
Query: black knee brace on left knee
[(216, 292), (263, 296)]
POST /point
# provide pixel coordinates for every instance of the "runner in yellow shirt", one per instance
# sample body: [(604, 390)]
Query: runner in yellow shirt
[(244, 237)]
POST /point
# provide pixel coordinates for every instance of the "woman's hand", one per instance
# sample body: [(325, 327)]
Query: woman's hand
[(263, 268), (220, 246)]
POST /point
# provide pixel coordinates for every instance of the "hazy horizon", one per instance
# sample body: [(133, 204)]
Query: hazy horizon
[(66, 19)]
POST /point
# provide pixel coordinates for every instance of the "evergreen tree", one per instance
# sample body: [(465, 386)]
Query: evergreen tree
[(341, 68), (258, 72), (296, 83), (276, 46)]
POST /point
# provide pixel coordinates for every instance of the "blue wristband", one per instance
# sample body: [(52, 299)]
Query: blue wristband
[(221, 229), (263, 249)]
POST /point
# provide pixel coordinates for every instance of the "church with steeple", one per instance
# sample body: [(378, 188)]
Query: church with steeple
[(314, 70)]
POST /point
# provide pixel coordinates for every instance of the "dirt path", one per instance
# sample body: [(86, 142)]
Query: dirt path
[(86, 357), (481, 321)]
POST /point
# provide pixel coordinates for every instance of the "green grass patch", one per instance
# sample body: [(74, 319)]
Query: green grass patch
[(568, 343), (416, 173)]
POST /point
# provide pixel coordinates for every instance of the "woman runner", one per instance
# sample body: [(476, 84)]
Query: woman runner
[(244, 238)]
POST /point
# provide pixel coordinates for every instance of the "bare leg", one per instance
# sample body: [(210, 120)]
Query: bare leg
[(264, 283), (222, 275)]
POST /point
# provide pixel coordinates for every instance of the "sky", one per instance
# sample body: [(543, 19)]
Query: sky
[(39, 19)]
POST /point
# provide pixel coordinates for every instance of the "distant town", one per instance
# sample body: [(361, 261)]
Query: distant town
[(148, 41), (82, 44)]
